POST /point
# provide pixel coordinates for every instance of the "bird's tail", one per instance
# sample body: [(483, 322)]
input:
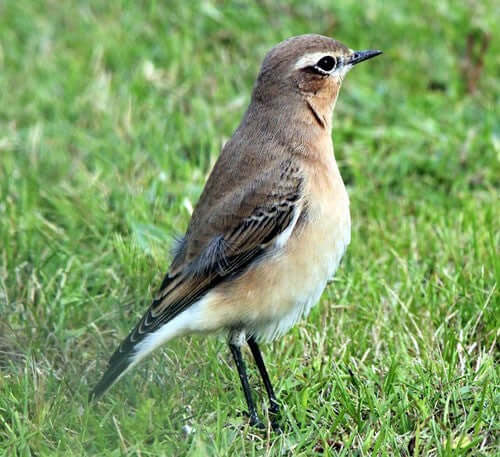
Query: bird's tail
[(122, 360), (115, 371), (178, 309), (141, 342)]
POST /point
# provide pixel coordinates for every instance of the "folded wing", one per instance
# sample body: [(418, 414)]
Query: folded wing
[(221, 242)]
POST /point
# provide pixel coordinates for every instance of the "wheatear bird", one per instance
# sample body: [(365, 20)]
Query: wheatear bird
[(272, 223)]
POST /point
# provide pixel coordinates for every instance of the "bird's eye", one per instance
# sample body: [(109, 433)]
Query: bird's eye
[(326, 63)]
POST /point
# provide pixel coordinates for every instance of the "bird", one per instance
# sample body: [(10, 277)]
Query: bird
[(271, 225)]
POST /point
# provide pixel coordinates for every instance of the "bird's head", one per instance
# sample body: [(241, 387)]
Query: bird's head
[(308, 69)]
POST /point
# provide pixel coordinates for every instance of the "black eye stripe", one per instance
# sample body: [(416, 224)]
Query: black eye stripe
[(327, 63)]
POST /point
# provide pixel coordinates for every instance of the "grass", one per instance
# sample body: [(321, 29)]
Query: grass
[(111, 116)]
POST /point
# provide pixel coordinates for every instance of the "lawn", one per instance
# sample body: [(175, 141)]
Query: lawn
[(112, 115)]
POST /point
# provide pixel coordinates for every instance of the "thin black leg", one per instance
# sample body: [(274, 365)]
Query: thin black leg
[(235, 350), (273, 401)]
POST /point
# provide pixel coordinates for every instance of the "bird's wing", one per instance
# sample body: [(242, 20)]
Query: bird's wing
[(222, 240)]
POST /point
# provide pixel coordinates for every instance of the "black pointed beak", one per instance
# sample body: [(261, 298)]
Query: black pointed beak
[(360, 56)]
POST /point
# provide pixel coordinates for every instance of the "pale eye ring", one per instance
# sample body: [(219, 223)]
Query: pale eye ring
[(326, 64)]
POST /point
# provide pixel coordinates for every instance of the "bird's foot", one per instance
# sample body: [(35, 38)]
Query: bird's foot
[(275, 416), (276, 426), (256, 422)]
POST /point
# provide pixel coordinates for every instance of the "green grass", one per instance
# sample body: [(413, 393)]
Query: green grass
[(111, 116)]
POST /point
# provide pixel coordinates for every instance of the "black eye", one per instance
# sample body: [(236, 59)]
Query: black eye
[(327, 63)]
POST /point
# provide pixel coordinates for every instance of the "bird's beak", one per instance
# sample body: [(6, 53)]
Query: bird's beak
[(360, 56)]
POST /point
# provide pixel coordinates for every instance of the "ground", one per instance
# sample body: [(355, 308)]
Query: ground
[(111, 116)]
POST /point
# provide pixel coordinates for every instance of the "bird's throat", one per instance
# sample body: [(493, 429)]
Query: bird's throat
[(320, 107)]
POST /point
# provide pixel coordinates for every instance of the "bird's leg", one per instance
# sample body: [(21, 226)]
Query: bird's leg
[(240, 364), (273, 401)]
